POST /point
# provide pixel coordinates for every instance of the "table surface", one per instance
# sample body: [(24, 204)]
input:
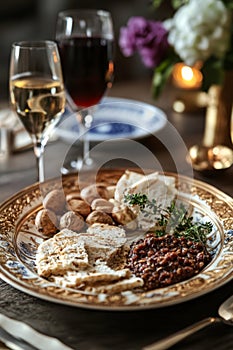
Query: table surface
[(100, 330)]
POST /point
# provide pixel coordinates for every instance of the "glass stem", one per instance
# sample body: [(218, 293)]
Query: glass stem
[(84, 125), (39, 153), (86, 150), (86, 143)]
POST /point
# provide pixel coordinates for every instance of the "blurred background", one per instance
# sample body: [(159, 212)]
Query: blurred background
[(36, 19)]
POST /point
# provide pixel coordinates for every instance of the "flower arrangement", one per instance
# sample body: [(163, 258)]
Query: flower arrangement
[(200, 32)]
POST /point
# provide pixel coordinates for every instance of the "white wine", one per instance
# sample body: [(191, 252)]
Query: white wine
[(37, 91), (39, 103)]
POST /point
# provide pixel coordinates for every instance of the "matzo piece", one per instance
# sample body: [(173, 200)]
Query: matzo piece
[(108, 231), (119, 286), (68, 251), (100, 273), (73, 260), (56, 256)]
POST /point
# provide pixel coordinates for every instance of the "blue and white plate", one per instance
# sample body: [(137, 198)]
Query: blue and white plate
[(116, 118)]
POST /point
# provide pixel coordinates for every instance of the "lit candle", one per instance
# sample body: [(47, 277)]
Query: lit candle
[(186, 77)]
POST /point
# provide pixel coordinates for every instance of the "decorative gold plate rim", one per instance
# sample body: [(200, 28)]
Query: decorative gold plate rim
[(14, 271)]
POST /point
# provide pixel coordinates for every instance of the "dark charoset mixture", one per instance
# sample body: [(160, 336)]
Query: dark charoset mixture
[(162, 261)]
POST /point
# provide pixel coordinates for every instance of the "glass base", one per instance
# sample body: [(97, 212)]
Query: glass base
[(77, 165)]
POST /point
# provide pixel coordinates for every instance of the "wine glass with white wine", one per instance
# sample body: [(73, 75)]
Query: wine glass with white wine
[(37, 91)]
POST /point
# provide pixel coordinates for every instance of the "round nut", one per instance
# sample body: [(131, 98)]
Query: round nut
[(55, 201), (46, 222), (72, 221), (79, 206), (102, 205), (97, 216), (123, 215), (111, 191), (91, 192), (73, 195)]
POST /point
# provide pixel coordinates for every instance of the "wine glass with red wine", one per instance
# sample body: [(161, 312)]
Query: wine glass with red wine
[(85, 39)]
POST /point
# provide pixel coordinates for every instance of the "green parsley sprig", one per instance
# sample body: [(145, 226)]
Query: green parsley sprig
[(146, 206), (174, 219), (136, 199)]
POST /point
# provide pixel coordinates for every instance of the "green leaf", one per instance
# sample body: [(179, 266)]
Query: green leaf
[(161, 75), (174, 3), (157, 3), (178, 3), (228, 59), (213, 73), (228, 3), (136, 199)]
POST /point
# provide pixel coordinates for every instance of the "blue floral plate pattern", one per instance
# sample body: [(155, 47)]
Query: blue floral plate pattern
[(116, 118)]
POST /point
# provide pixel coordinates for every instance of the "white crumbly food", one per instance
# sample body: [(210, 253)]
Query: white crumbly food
[(154, 186), (126, 181), (73, 259)]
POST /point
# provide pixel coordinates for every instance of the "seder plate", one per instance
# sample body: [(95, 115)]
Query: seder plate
[(19, 240)]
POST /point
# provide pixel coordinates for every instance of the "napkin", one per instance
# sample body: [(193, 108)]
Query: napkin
[(21, 138), (10, 121)]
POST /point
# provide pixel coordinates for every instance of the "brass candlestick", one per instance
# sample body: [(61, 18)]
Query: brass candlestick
[(216, 150)]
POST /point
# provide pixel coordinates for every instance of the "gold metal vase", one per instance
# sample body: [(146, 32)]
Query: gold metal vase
[(216, 149)]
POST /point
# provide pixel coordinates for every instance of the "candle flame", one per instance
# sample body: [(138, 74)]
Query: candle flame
[(187, 73), (186, 77)]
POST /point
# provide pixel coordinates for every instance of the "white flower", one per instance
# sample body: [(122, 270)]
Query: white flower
[(199, 30)]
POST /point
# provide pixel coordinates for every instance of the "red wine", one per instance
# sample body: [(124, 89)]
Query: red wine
[(87, 68)]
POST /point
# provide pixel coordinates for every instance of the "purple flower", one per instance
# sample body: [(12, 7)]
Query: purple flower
[(147, 37)]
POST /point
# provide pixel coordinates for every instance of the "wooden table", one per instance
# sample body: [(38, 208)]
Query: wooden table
[(104, 330)]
